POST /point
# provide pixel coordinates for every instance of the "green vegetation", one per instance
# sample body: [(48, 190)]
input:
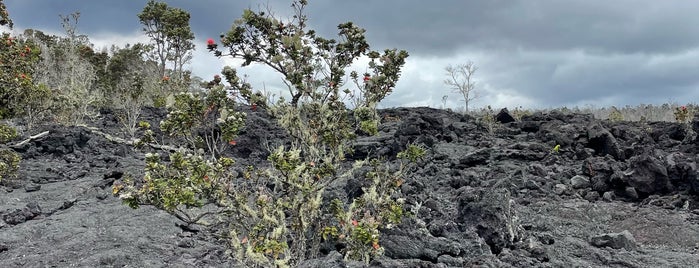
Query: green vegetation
[(268, 215), (9, 164), (211, 113), (519, 112), (7, 133), (9, 160), (487, 119), (18, 61), (318, 121), (18, 58), (615, 115), (130, 83), (683, 114), (274, 216), (5, 16), (668, 112), (171, 39)]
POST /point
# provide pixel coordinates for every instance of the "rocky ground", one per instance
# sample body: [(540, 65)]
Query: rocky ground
[(616, 194)]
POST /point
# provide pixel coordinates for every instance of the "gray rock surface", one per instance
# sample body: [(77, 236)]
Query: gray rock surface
[(621, 240), (480, 199)]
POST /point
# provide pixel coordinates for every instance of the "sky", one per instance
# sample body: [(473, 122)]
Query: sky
[(531, 53)]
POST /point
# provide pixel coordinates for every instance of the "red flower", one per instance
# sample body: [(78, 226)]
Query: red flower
[(232, 142), (166, 78), (683, 108), (27, 49), (21, 54), (355, 223), (367, 78), (375, 245), (254, 107), (23, 76), (211, 44), (206, 178)]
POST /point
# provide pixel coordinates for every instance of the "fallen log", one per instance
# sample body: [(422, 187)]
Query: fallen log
[(129, 142), (31, 138)]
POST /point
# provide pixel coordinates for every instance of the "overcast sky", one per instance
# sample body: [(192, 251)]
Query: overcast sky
[(533, 53)]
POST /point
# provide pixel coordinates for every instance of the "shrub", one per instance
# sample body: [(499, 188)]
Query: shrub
[(357, 225), (274, 216), (206, 123), (487, 119), (615, 115), (187, 180), (316, 118), (518, 113), (67, 73), (18, 59), (9, 164), (211, 113), (130, 84), (19, 95), (9, 160), (7, 133), (682, 114)]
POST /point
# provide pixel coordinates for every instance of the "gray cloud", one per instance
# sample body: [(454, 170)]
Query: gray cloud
[(448, 25), (542, 52)]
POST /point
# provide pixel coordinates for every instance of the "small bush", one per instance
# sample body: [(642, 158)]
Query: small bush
[(615, 115), (518, 113), (130, 84), (9, 160), (357, 224), (9, 164), (7, 133), (487, 119), (682, 114), (207, 120), (187, 180)]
